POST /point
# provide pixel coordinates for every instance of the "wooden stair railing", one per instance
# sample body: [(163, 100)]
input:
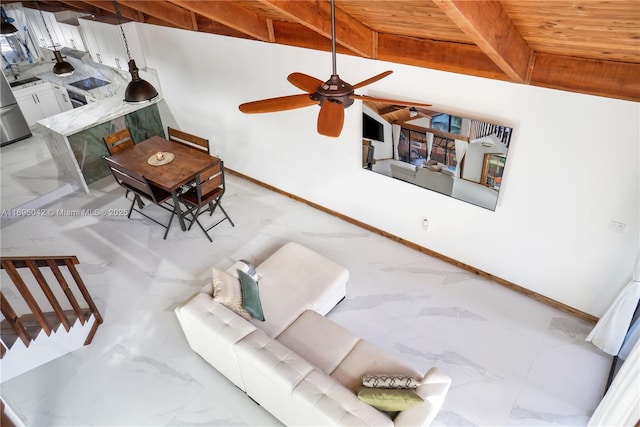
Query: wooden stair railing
[(26, 327)]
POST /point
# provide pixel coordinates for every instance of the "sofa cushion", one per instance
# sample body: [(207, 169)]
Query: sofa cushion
[(403, 171), (212, 330), (227, 291), (319, 340), (295, 279), (270, 371), (436, 181), (250, 295), (367, 358), (320, 400), (389, 399)]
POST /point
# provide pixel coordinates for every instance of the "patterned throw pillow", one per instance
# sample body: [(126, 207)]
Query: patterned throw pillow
[(389, 381), (226, 291)]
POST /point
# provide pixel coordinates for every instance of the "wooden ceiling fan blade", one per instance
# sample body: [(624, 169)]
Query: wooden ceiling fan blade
[(304, 82), (389, 101), (331, 118), (372, 79), (281, 103)]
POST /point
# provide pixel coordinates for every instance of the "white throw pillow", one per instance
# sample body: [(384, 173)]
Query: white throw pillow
[(227, 291)]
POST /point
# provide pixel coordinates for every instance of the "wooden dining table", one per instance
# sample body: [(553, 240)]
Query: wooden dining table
[(184, 167)]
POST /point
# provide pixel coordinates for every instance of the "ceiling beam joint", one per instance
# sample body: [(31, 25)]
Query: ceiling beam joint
[(493, 31), (316, 15), (231, 14)]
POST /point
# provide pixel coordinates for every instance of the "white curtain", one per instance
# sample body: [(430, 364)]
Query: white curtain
[(461, 149), (429, 144), (395, 130), (620, 406), (609, 332)]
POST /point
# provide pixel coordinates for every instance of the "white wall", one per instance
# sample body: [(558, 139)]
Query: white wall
[(572, 166)]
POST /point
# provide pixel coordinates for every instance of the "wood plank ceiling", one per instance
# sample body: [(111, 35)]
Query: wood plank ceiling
[(584, 46)]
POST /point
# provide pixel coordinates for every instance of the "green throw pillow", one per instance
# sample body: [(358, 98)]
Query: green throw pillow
[(250, 295), (389, 399)]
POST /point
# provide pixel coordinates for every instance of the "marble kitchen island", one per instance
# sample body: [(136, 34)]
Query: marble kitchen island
[(74, 137)]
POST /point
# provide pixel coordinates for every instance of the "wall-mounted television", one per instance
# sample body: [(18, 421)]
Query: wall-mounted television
[(371, 128)]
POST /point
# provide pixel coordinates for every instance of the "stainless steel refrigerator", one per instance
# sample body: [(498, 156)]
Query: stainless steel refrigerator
[(13, 126)]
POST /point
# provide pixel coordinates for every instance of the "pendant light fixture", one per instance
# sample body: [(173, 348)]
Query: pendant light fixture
[(61, 68), (138, 90), (7, 28)]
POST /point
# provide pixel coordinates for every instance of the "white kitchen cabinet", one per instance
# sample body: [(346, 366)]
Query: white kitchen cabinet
[(45, 28), (37, 102), (70, 29), (71, 36), (105, 43), (63, 27), (62, 97)]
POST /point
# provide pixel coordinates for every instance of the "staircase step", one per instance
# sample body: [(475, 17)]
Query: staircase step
[(9, 336)]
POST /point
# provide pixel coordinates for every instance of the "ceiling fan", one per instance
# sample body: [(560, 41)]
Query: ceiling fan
[(333, 96)]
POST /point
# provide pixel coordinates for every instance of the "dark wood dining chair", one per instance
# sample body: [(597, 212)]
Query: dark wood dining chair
[(207, 193), (141, 188), (188, 139), (118, 141)]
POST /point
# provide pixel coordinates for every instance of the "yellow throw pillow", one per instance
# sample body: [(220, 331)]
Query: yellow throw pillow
[(389, 399)]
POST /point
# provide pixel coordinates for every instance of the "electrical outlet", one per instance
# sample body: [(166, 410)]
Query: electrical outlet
[(425, 224)]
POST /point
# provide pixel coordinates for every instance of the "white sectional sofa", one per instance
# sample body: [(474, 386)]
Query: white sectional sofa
[(441, 181), (300, 366)]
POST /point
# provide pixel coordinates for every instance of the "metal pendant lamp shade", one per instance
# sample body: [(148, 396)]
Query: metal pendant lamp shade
[(7, 28), (138, 90), (62, 68)]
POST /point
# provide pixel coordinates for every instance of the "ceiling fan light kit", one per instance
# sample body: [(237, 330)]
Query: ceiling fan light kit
[(333, 96)]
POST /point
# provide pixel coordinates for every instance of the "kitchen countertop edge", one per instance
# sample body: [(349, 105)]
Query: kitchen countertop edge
[(73, 121)]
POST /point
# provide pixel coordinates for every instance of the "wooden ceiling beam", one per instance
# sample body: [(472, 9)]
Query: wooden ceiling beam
[(316, 15), (109, 6), (231, 14), (164, 11), (78, 6), (389, 109), (595, 77), (493, 31), (293, 34), (446, 56), (206, 25)]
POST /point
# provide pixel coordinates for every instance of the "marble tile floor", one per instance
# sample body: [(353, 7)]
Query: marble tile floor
[(513, 360), (27, 171)]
